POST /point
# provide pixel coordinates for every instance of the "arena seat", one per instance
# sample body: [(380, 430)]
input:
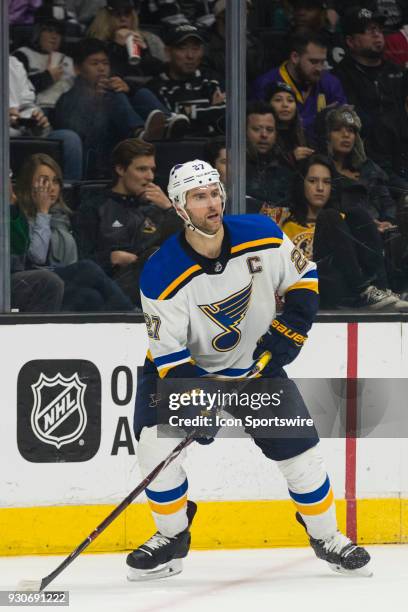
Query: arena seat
[(169, 153), (21, 148)]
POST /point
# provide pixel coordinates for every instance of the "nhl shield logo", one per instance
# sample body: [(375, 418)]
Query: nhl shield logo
[(58, 416)]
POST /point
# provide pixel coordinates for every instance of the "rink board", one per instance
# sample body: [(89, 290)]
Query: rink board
[(48, 506)]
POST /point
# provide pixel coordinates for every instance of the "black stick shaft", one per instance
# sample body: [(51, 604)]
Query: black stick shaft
[(117, 511)]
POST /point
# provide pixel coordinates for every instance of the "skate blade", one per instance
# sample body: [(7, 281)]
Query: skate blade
[(361, 572), (29, 585), (172, 568)]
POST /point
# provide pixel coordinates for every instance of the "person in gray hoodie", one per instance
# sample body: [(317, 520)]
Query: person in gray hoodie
[(52, 246)]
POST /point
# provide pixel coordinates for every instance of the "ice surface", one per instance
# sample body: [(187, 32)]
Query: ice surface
[(276, 579)]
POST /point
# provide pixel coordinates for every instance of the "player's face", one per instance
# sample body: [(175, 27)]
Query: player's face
[(369, 44), (285, 106), (221, 165), (204, 206), (137, 176), (342, 140), (186, 58), (310, 64), (317, 186), (261, 132)]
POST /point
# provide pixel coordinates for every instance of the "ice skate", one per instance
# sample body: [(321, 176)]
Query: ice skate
[(161, 556), (341, 554)]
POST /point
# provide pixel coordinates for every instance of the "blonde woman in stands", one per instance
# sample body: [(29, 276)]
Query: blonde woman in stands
[(114, 24)]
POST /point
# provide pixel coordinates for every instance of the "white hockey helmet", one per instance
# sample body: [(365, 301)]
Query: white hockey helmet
[(191, 175)]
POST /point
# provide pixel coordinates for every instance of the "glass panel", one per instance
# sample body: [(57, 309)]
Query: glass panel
[(4, 166), (104, 101)]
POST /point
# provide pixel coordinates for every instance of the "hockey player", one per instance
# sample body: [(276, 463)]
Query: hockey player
[(238, 261)]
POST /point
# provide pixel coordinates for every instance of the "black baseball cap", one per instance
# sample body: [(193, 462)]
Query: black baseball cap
[(175, 36), (120, 6), (278, 86), (356, 20), (51, 25)]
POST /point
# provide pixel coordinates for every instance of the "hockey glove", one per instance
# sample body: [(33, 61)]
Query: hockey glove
[(283, 342), (196, 417)]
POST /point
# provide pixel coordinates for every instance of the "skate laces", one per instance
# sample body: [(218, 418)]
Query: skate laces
[(337, 543), (157, 541)]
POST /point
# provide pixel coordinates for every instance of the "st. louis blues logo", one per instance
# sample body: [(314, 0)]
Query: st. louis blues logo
[(228, 314), (58, 416)]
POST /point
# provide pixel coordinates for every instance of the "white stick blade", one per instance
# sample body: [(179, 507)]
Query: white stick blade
[(29, 585)]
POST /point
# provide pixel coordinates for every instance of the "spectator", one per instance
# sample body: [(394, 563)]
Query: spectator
[(372, 84), (216, 155), (99, 109), (304, 71), (358, 180), (347, 248), (132, 222), (50, 71), (313, 15), (396, 47), (184, 88), (21, 12), (27, 119), (52, 245), (388, 143), (393, 11), (84, 10), (114, 24), (267, 179), (291, 140), (58, 10), (215, 47), (31, 290)]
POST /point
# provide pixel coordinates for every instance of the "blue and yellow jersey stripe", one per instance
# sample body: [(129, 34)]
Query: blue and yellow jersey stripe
[(170, 268), (308, 281)]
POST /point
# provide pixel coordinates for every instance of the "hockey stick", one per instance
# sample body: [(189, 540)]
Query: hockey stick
[(40, 585)]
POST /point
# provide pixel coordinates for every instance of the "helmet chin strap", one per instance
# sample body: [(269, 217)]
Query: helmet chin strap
[(184, 215)]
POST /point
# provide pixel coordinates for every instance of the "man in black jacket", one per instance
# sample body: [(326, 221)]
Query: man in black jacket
[(268, 180), (134, 219), (372, 84), (184, 88), (388, 144), (102, 110)]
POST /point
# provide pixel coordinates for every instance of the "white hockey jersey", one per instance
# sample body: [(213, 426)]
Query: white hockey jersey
[(212, 312)]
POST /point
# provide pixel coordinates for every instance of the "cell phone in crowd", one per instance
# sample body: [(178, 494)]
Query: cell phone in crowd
[(27, 122)]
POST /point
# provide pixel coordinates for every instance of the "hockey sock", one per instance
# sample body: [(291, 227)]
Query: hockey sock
[(167, 494), (310, 489)]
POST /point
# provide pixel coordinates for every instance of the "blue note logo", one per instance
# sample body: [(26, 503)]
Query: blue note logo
[(228, 313)]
